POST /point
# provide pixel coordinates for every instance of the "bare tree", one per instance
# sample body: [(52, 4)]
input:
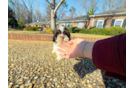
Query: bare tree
[(87, 4), (38, 14), (112, 4), (48, 12), (72, 11), (61, 12), (53, 12), (23, 9)]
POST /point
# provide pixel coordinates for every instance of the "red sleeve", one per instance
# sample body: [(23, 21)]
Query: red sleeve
[(110, 55)]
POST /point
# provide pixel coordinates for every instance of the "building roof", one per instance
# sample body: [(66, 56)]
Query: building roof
[(50, 22), (121, 11), (37, 23), (75, 19)]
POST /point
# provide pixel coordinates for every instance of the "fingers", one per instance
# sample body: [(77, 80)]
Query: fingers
[(70, 42), (65, 43), (62, 51), (63, 47)]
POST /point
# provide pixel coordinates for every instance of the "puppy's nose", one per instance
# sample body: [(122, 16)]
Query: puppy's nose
[(62, 37)]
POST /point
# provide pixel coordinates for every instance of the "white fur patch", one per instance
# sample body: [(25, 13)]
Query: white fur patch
[(61, 28)]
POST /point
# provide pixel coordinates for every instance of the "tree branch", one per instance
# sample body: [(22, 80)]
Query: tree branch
[(49, 3), (58, 6)]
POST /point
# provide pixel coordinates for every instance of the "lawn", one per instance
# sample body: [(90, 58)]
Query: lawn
[(72, 34)]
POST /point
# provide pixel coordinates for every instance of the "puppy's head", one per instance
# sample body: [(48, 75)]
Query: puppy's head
[(61, 34)]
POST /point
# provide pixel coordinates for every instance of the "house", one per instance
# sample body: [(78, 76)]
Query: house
[(82, 21), (111, 18), (49, 23)]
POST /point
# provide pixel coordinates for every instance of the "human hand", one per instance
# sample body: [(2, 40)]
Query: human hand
[(72, 49)]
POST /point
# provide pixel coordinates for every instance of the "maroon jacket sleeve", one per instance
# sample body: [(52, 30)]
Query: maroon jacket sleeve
[(110, 55)]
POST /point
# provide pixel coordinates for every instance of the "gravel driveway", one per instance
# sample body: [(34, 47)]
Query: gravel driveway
[(31, 65)]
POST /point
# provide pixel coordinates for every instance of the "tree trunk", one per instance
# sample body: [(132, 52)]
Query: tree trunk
[(53, 12), (53, 19)]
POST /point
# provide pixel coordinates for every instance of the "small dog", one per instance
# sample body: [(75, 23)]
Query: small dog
[(60, 34)]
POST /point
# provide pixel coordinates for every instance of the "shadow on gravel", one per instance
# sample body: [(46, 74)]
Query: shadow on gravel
[(86, 66)]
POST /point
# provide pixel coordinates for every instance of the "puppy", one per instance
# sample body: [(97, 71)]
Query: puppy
[(60, 34)]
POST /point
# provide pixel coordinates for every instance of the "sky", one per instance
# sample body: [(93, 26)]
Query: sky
[(41, 5), (70, 4)]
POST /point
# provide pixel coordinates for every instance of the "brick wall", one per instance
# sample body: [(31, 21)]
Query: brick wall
[(44, 37)]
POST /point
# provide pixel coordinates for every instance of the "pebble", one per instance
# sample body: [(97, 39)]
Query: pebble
[(69, 84), (49, 83), (10, 85), (55, 79), (28, 84), (89, 85), (36, 77), (22, 86), (16, 86), (42, 86)]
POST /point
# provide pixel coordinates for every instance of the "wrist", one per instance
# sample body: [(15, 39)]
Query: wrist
[(87, 49)]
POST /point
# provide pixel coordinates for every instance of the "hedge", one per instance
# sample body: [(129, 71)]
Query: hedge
[(33, 28), (100, 31)]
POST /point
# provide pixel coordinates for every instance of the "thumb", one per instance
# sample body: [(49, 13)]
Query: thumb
[(70, 42)]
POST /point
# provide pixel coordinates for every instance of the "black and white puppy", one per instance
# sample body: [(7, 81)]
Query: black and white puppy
[(61, 34)]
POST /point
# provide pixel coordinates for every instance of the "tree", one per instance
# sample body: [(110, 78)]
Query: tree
[(72, 11), (53, 12), (123, 4), (85, 4), (21, 24), (24, 9), (11, 18), (91, 11), (112, 4), (38, 14), (61, 12), (48, 12)]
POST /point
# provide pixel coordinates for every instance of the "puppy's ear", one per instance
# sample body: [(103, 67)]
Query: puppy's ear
[(65, 29), (54, 35), (54, 31), (68, 34)]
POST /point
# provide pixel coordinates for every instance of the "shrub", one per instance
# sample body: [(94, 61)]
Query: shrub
[(33, 28), (69, 29), (76, 30), (73, 29), (108, 31), (48, 30)]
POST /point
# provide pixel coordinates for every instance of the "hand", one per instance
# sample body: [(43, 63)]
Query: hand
[(72, 49)]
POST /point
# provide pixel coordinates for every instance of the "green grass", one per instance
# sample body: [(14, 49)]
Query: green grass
[(72, 34)]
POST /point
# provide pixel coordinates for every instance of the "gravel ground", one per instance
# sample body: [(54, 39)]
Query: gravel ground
[(31, 65)]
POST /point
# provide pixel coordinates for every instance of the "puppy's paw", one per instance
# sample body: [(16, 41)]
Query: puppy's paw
[(53, 52), (59, 58), (66, 39)]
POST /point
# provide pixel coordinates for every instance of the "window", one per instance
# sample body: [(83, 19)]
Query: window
[(66, 24), (80, 24), (100, 23), (63, 24), (118, 22)]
